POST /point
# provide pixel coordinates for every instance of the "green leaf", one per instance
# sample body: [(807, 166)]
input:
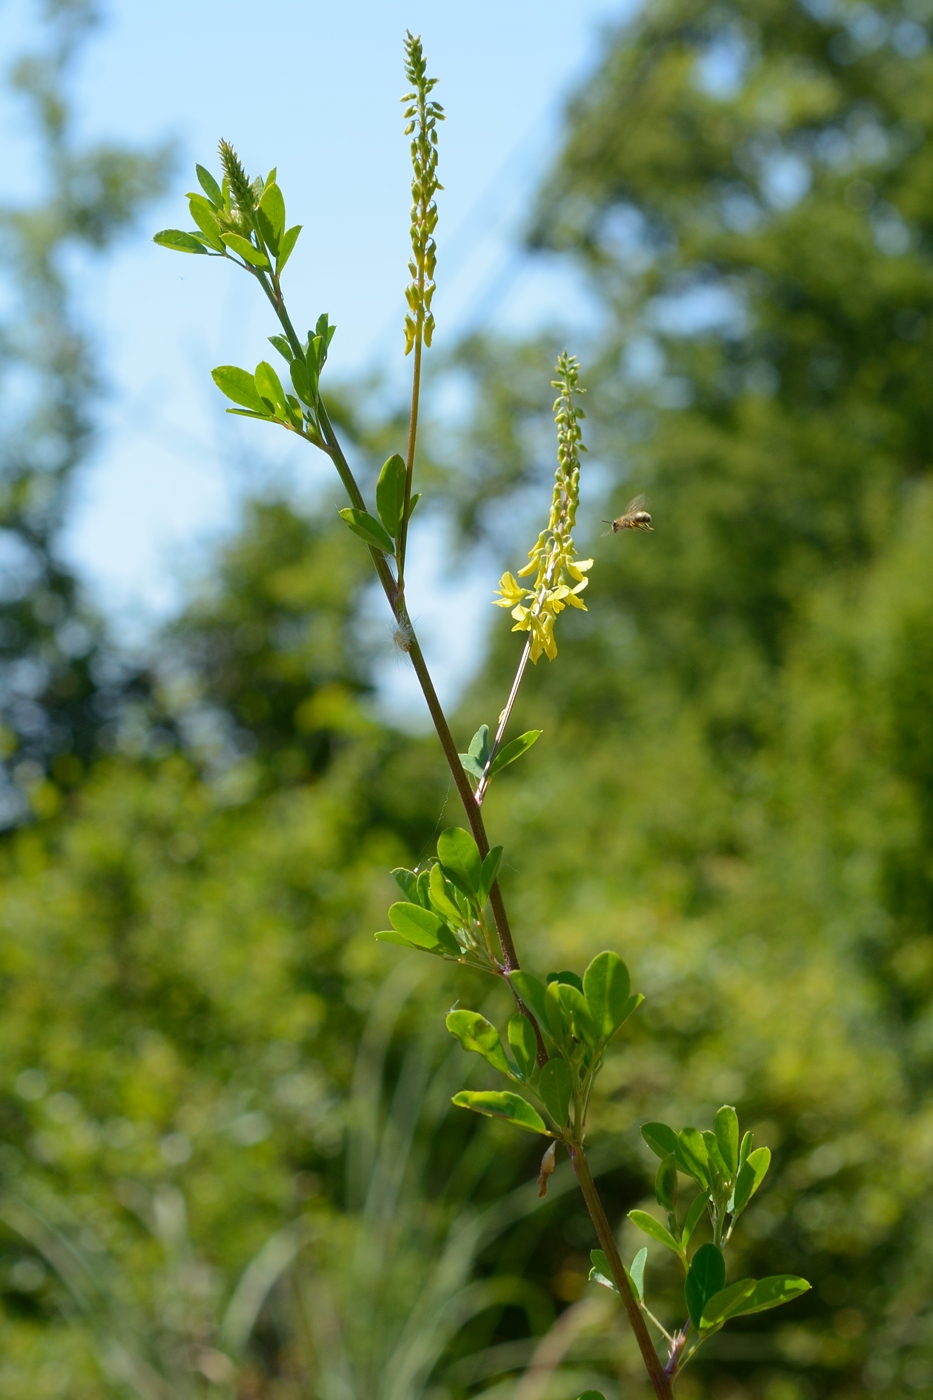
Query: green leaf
[(412, 503), (532, 994), (441, 899), (238, 244), (488, 872), (632, 1003), (751, 1174), (240, 386), (719, 1172), (601, 1272), (651, 1227), (576, 1006), (705, 1278), (407, 882), (422, 928), (511, 1107), (270, 386), (606, 985), (458, 853), (694, 1216), (368, 528), (722, 1305), (178, 241), (665, 1186), (752, 1295), (524, 1044), (302, 381), (283, 347), (637, 1272), (474, 760), (479, 744), (555, 1088), (390, 494), (210, 186), (475, 1033), (202, 211), (286, 245), (514, 750), (591, 1395), (726, 1126), (391, 935), (660, 1138), (556, 1021), (692, 1156), (566, 979), (272, 206), (748, 1142)]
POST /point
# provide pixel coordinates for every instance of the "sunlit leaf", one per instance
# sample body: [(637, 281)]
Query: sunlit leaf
[(475, 1033), (511, 1107), (652, 1227)]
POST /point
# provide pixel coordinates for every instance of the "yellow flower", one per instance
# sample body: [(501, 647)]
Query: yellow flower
[(511, 591), (559, 578)]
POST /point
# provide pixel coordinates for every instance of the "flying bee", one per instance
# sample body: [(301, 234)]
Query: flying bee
[(635, 517)]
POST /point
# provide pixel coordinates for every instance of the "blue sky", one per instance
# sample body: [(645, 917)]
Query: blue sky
[(311, 88)]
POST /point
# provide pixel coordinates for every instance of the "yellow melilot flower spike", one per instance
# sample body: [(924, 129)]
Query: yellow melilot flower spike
[(559, 578)]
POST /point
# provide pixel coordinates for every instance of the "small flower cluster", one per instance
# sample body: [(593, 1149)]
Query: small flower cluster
[(422, 117), (559, 577)]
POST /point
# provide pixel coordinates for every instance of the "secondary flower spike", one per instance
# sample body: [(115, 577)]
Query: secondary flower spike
[(422, 114), (559, 577)]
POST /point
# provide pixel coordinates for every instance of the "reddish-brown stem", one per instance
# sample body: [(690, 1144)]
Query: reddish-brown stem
[(659, 1378)]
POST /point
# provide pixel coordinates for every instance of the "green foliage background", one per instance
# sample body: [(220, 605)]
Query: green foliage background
[(734, 788)]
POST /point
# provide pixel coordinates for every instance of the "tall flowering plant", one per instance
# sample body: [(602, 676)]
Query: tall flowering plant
[(452, 908)]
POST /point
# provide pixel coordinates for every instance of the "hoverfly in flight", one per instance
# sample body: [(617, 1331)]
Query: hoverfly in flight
[(635, 517)]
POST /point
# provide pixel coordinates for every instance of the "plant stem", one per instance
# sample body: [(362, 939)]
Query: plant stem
[(439, 719), (659, 1378), (483, 783), (412, 440)]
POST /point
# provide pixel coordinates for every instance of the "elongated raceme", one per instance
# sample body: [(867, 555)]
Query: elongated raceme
[(559, 577), (422, 114)]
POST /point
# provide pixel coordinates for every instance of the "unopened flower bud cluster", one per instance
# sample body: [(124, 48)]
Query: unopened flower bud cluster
[(422, 116)]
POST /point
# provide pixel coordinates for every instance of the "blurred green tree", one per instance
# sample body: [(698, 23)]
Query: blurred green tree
[(738, 746), (59, 681)]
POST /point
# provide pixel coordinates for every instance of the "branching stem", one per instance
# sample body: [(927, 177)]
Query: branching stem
[(660, 1380)]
